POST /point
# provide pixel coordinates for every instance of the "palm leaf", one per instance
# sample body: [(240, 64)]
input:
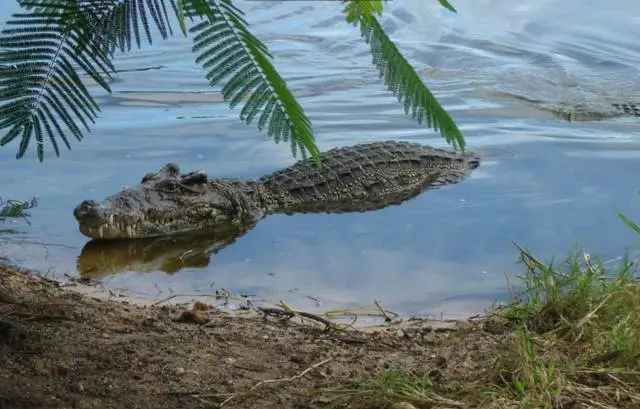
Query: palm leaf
[(40, 90), (117, 21), (41, 94), (399, 76), (227, 50)]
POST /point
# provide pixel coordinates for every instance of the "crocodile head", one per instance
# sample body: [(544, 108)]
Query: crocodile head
[(168, 202)]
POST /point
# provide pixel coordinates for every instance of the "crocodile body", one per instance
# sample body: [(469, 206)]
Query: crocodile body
[(356, 178), (578, 112)]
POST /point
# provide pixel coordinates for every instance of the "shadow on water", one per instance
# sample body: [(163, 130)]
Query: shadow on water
[(169, 254)]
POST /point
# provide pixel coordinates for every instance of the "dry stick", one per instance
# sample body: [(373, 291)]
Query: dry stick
[(382, 310), (177, 295), (266, 381), (587, 261), (290, 313), (590, 315), (37, 317)]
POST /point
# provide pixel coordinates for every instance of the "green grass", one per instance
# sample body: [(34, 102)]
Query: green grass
[(569, 338)]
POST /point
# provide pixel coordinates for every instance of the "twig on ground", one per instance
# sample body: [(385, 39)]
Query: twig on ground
[(226, 296), (387, 318), (164, 300), (289, 313), (37, 317), (267, 381)]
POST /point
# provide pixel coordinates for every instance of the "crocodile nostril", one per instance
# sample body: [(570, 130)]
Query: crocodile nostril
[(85, 208), (89, 203)]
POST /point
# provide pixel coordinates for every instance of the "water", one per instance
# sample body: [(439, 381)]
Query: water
[(543, 182)]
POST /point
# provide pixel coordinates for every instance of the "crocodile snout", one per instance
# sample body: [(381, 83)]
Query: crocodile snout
[(89, 212)]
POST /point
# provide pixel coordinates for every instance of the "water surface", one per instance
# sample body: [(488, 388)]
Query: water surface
[(544, 182)]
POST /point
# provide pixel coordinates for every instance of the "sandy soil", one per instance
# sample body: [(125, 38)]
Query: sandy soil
[(62, 348)]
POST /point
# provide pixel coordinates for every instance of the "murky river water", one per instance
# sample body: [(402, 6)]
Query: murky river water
[(544, 182)]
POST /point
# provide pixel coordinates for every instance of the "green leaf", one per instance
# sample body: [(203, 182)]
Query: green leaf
[(630, 223), (447, 5), (43, 54), (179, 10), (400, 77), (228, 52), (40, 89), (363, 9)]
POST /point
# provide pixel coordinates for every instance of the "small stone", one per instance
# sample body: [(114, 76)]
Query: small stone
[(229, 361), (193, 317), (62, 369), (201, 306), (403, 405)]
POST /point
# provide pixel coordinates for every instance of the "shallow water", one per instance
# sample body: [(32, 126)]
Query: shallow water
[(543, 181)]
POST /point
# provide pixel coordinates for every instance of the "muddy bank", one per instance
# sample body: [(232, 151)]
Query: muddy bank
[(60, 348)]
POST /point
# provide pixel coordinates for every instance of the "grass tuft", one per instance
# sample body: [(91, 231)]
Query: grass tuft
[(398, 388), (570, 338)]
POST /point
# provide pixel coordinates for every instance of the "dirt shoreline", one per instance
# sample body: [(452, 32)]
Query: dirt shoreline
[(69, 347)]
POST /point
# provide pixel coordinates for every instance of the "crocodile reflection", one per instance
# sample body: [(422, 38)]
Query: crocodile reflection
[(170, 254)]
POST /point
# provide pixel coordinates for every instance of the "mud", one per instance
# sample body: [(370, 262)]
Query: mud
[(61, 347)]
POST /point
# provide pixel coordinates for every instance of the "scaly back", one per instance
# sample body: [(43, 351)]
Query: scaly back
[(363, 177)]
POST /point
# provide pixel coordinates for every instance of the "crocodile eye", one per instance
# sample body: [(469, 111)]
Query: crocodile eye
[(148, 177), (195, 178)]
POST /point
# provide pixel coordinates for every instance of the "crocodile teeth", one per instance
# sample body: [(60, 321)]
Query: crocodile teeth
[(129, 230), (111, 218), (101, 231)]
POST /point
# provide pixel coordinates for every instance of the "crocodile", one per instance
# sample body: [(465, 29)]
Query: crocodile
[(583, 113), (577, 112), (356, 178)]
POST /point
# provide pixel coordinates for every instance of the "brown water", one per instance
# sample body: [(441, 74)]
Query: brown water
[(543, 182)]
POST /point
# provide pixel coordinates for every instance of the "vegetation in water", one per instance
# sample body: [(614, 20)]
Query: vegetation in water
[(12, 209), (45, 50)]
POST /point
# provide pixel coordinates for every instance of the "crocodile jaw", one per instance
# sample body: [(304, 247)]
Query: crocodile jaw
[(168, 202), (105, 221)]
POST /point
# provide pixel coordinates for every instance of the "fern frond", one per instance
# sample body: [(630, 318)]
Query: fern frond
[(227, 50), (116, 23), (399, 76), (40, 90), (122, 21)]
